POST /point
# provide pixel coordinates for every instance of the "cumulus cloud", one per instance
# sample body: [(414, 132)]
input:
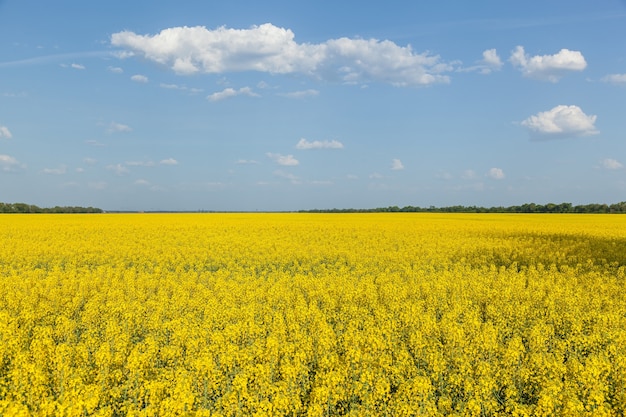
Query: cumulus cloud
[(618, 79), (610, 163), (490, 62), (547, 67), (138, 78), (8, 163), (496, 173), (286, 160), (231, 92), (561, 121), (78, 66), (115, 127), (5, 133), (301, 94), (396, 165), (271, 49), (168, 161), (304, 144)]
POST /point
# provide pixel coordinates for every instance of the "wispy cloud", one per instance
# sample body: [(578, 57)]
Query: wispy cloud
[(181, 88), (138, 78), (285, 160), (168, 161), (115, 127), (8, 163), (490, 62), (611, 164), (5, 133), (547, 67), (47, 59), (301, 94), (561, 121), (304, 144), (115, 70), (231, 92), (617, 79), (118, 169), (271, 49), (469, 174), (62, 169), (246, 162), (287, 175)]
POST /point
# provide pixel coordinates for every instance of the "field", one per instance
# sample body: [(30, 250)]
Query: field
[(312, 315)]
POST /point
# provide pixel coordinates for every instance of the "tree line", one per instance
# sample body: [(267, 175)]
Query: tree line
[(524, 208), (31, 208)]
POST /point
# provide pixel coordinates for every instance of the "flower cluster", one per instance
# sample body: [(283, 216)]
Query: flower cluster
[(398, 314)]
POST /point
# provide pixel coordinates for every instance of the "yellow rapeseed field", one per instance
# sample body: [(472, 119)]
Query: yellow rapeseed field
[(391, 314)]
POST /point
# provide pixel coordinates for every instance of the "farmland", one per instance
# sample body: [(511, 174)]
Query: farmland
[(313, 314)]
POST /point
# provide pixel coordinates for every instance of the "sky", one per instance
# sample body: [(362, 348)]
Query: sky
[(295, 105)]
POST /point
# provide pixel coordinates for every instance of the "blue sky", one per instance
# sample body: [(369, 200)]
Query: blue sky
[(284, 105)]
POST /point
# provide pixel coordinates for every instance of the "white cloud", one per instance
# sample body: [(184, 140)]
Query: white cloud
[(490, 62), (55, 171), (90, 161), (138, 78), (547, 67), (168, 161), (118, 169), (375, 176), (231, 92), (115, 127), (246, 162), (139, 163), (94, 142), (496, 174), (562, 121), (319, 144), (618, 79), (301, 94), (181, 88), (8, 163), (291, 177), (396, 165), (78, 66), (115, 70), (5, 133), (610, 163), (271, 49), (142, 182), (469, 174), (286, 160)]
